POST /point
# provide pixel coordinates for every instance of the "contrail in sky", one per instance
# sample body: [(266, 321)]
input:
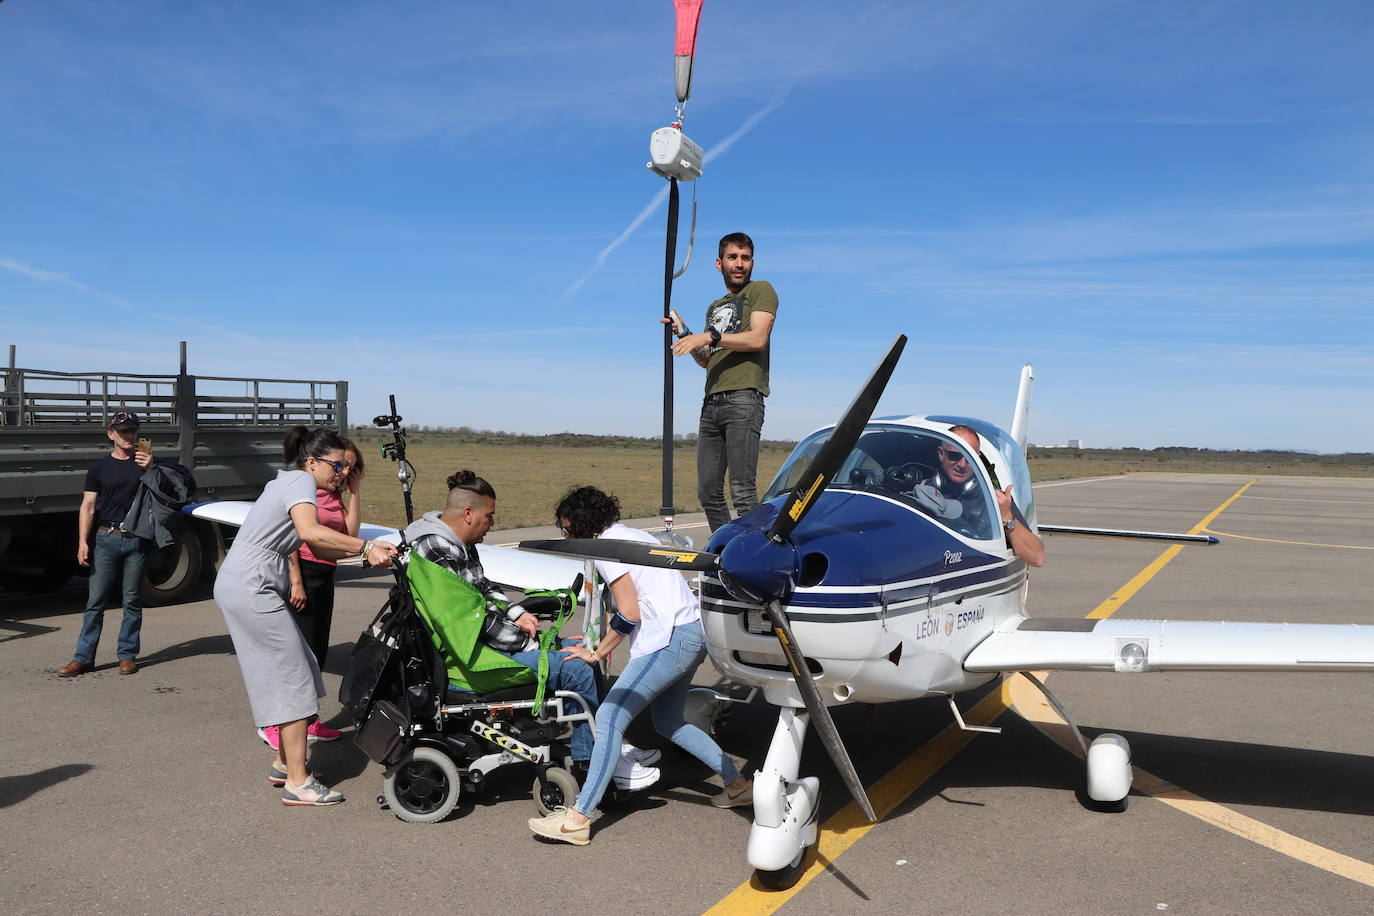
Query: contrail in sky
[(40, 275), (779, 96)]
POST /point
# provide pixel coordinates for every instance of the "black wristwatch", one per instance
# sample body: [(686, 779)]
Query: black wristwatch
[(715, 337)]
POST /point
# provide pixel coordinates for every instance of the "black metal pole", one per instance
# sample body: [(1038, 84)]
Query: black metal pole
[(669, 259), (399, 436)]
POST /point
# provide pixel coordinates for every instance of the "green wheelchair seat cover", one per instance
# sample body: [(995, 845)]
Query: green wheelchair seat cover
[(454, 612)]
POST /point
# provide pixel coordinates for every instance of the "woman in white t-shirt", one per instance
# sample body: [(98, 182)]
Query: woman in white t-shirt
[(661, 617)]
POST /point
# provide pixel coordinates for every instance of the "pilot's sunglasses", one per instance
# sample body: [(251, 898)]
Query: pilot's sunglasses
[(952, 456)]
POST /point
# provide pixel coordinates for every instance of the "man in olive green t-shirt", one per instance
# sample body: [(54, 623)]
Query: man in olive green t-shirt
[(734, 351)]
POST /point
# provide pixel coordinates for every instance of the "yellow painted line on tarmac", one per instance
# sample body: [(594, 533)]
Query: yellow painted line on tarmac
[(848, 825), (1126, 592), (1246, 537), (1030, 704), (1212, 516)]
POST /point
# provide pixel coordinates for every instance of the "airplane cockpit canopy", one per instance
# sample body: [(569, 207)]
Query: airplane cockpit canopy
[(902, 462), (1006, 458)]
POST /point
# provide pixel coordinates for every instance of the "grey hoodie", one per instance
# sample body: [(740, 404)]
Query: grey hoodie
[(434, 540)]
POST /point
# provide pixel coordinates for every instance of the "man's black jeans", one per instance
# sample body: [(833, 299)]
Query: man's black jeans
[(728, 439)]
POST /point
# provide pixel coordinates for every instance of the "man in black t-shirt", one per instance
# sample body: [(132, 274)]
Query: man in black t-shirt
[(108, 549)]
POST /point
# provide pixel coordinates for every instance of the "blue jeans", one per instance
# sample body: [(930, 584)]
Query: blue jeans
[(570, 674), (728, 440), (660, 681), (112, 554)]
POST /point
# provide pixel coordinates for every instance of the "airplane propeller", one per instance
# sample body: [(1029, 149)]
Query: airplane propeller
[(763, 566), (836, 449)]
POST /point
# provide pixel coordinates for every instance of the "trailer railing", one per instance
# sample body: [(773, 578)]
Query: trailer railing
[(36, 398)]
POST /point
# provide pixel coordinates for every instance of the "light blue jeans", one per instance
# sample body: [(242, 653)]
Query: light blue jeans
[(660, 681), (114, 556)]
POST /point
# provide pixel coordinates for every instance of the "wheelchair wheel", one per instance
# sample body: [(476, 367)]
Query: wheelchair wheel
[(560, 792), (423, 788)]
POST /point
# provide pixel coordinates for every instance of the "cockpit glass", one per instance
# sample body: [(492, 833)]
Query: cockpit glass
[(931, 472), (1010, 459)]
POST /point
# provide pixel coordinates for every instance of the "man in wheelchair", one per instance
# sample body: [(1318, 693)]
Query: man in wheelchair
[(447, 538)]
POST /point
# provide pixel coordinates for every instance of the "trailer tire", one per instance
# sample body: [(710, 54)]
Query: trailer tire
[(40, 556), (173, 572), (40, 575)]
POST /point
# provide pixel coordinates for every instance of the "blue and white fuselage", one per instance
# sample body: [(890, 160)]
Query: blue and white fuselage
[(891, 593)]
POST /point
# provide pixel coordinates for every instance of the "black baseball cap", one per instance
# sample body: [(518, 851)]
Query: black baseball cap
[(123, 420)]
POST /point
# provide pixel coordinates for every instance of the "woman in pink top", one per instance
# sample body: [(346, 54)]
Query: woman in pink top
[(312, 579)]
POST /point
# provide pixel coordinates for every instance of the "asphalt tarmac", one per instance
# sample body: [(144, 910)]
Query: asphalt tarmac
[(147, 793)]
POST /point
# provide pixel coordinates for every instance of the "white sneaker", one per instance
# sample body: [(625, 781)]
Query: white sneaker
[(640, 755), (632, 776)]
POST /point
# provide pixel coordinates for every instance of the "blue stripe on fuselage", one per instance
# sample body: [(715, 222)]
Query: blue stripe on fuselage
[(871, 542)]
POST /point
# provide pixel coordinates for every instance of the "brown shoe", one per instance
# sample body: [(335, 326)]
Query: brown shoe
[(73, 668), (127, 666)]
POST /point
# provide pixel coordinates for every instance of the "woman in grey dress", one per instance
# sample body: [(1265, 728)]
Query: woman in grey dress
[(252, 588)]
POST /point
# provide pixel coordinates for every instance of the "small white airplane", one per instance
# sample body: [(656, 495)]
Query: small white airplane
[(861, 578)]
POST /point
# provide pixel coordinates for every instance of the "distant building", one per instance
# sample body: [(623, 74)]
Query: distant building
[(1075, 443)]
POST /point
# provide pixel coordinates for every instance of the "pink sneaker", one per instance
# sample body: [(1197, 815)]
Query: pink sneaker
[(318, 731), (270, 736)]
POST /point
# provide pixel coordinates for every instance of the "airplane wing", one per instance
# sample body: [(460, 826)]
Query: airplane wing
[(1080, 644), (517, 569), (524, 570)]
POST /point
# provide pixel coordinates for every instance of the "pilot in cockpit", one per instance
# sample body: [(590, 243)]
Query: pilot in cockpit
[(955, 480)]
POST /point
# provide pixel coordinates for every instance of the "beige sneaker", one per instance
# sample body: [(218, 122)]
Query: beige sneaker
[(728, 799), (313, 794), (560, 826)]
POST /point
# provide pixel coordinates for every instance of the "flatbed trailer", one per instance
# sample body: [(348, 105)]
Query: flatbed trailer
[(227, 431)]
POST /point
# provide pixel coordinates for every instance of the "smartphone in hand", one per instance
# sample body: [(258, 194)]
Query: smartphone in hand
[(679, 326), (145, 446)]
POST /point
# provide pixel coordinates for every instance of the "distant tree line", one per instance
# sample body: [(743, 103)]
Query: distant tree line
[(470, 435), (1166, 453)]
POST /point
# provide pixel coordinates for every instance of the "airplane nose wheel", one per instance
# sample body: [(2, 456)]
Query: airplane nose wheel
[(783, 878), (1109, 773)]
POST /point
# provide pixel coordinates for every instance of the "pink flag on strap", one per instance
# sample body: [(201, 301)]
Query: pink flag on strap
[(688, 15)]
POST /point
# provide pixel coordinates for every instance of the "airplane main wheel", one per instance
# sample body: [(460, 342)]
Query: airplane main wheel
[(423, 788), (559, 792), (1109, 773), (784, 878)]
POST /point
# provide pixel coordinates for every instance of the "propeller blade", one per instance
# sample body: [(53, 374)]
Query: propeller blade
[(633, 552), (836, 448), (820, 716)]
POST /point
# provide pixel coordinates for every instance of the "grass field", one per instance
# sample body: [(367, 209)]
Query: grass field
[(530, 478), (531, 473)]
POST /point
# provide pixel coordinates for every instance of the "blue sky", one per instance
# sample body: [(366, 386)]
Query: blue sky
[(1167, 207)]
